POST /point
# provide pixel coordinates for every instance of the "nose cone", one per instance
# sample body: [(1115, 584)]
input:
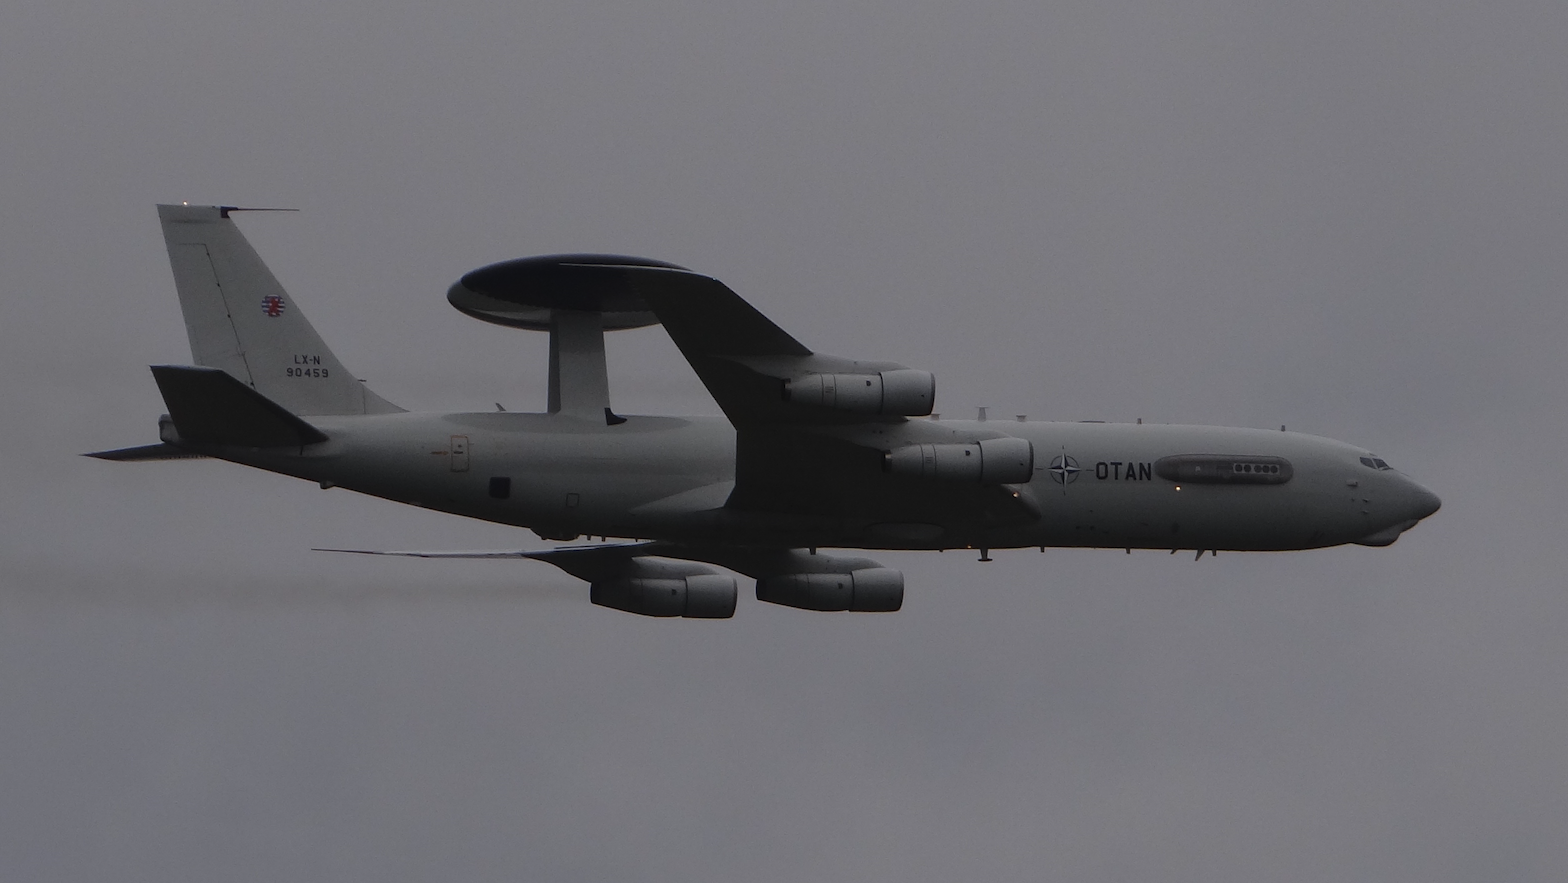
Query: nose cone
[(1408, 502), (1421, 502)]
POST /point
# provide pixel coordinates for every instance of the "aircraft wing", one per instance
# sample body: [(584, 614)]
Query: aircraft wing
[(592, 563), (584, 562), (707, 319), (809, 442), (414, 553), (745, 360), (756, 371), (811, 429)]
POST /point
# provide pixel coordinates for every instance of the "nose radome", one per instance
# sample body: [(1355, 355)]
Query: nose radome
[(1422, 502)]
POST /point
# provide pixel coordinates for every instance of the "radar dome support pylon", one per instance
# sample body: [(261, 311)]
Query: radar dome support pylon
[(579, 379), (574, 297)]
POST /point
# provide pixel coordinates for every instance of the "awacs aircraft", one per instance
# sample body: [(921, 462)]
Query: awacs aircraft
[(814, 451)]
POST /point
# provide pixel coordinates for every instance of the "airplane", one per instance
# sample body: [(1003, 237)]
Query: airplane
[(813, 451)]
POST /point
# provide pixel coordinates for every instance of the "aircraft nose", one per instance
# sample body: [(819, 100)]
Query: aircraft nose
[(1422, 502)]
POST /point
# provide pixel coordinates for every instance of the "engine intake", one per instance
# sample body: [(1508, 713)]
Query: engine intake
[(869, 590), (989, 461), (698, 596), (904, 392)]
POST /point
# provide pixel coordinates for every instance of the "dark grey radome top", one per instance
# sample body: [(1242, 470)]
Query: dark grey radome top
[(522, 293)]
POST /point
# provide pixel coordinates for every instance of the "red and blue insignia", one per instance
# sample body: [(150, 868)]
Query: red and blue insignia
[(272, 305)]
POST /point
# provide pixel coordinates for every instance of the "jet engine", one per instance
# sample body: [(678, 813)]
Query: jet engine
[(708, 595), (904, 392), (869, 590), (989, 461)]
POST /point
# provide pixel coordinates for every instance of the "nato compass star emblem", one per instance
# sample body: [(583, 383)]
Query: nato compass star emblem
[(1064, 469)]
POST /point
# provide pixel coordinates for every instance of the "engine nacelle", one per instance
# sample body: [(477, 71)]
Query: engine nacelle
[(990, 461), (904, 392), (698, 596), (870, 590)]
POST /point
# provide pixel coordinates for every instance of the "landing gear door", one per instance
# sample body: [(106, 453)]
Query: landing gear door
[(459, 458)]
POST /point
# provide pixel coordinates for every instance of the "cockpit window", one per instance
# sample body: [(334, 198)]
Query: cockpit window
[(1377, 463)]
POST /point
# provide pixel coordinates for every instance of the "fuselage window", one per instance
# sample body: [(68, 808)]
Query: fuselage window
[(1223, 469)]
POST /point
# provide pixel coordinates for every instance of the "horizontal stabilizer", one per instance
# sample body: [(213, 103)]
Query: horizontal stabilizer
[(146, 452), (209, 407)]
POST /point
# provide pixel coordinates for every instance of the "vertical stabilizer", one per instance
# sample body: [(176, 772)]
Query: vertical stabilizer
[(240, 319)]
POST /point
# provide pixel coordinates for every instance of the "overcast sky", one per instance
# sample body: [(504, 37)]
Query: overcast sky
[(1350, 218)]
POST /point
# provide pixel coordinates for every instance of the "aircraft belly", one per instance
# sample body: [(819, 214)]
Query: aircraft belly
[(1208, 518)]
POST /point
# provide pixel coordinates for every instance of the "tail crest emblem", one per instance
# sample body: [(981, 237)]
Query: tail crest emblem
[(272, 305)]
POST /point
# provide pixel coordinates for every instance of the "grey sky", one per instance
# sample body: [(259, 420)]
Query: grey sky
[(1344, 217)]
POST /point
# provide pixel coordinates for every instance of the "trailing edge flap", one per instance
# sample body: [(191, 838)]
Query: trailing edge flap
[(210, 407)]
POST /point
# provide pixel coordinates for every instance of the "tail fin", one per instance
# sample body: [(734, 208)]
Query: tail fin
[(240, 320)]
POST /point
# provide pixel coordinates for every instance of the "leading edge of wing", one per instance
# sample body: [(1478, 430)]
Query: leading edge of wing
[(741, 356), (705, 318)]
